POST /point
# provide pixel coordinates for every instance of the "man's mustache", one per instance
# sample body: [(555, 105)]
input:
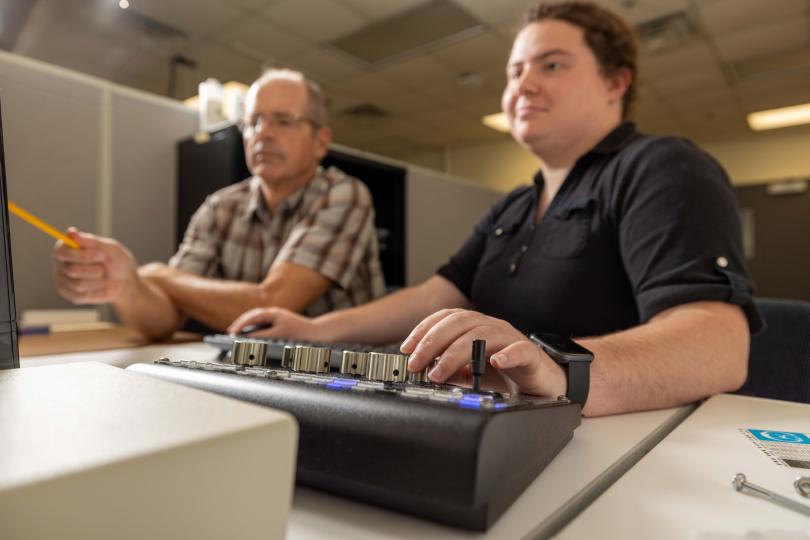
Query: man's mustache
[(261, 150)]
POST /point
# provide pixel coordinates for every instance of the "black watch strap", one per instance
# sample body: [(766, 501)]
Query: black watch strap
[(578, 375), (575, 359)]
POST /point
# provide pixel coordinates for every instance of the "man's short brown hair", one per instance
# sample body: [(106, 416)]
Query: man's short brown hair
[(609, 37)]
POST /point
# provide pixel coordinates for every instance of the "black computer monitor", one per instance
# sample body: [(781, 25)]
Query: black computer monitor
[(9, 354)]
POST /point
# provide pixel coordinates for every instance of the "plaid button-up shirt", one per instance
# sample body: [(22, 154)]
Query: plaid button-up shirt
[(328, 226)]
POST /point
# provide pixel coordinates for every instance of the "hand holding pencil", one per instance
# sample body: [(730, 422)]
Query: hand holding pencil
[(101, 269)]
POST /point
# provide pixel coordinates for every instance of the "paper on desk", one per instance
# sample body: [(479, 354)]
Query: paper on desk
[(35, 317)]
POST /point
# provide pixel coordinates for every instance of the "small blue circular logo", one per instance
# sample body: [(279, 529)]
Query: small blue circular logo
[(781, 436)]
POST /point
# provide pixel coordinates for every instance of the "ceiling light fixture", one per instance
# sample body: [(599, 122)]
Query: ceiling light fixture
[(779, 118), (497, 121), (123, 4)]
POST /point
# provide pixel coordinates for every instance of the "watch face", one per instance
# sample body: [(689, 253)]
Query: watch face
[(566, 348)]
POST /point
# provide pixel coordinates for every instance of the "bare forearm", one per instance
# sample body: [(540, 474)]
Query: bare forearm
[(698, 350), (147, 309), (391, 318), (213, 302)]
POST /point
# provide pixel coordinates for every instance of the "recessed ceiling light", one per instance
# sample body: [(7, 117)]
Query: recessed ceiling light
[(123, 4), (497, 121), (779, 118)]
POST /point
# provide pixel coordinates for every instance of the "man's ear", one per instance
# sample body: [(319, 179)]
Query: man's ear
[(323, 138)]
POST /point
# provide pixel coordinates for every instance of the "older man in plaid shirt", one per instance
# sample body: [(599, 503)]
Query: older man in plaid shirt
[(293, 235)]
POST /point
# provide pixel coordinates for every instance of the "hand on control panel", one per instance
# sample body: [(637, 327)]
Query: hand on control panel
[(448, 334)]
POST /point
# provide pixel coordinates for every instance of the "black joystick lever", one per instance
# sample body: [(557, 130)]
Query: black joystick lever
[(478, 362)]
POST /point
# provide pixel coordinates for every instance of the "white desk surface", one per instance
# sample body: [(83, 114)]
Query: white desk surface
[(601, 451), (682, 488), (126, 357)]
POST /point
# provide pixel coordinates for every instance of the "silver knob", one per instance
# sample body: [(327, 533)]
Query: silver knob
[(354, 363), (387, 367), (286, 356), (419, 376), (311, 359), (422, 376), (249, 353)]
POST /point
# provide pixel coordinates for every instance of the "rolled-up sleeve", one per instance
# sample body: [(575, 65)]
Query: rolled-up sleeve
[(680, 233)]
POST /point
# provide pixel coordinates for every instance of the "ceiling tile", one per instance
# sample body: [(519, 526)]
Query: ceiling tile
[(763, 39), (195, 17), (696, 54), (220, 63), (367, 86), (406, 103), (315, 20), (381, 9), (493, 12), (262, 41), (728, 16), (150, 72), (250, 4), (639, 11), (770, 94), (325, 66), (693, 80), (419, 73), (469, 54)]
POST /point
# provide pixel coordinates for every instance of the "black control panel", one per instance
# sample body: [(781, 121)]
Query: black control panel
[(372, 431)]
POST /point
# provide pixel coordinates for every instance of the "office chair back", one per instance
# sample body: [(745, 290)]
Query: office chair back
[(779, 361)]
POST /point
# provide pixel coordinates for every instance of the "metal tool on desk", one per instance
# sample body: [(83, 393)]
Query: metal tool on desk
[(742, 485), (802, 485)]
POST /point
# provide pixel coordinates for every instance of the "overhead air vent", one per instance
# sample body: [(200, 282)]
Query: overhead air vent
[(666, 32), (365, 111), (426, 26), (150, 26)]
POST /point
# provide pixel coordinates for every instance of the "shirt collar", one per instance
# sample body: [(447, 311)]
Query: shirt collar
[(617, 139), (621, 136), (257, 208)]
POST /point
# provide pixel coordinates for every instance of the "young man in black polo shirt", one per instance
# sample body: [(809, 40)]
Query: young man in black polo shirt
[(629, 238)]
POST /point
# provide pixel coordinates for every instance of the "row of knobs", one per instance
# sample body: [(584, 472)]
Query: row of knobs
[(373, 366)]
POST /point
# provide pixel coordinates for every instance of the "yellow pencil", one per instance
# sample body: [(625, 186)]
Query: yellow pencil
[(41, 225)]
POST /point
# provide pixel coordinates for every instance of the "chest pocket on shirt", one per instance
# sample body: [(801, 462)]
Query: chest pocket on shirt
[(498, 239), (566, 231)]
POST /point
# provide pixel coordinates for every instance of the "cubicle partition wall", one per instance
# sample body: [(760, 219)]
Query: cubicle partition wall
[(84, 152)]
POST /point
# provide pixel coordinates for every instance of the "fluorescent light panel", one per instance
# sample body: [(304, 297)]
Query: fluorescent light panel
[(496, 121), (779, 118)]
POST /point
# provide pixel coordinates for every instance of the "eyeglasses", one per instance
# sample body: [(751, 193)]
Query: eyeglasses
[(277, 120)]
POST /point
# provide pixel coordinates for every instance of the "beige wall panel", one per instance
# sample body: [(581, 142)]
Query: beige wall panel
[(51, 131), (441, 213), (144, 173)]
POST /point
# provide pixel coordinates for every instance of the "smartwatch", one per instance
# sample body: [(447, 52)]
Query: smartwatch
[(576, 360)]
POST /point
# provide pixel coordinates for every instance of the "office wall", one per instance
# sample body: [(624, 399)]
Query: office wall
[(81, 151), (768, 156)]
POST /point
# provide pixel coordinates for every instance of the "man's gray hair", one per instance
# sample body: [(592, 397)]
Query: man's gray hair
[(316, 102)]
